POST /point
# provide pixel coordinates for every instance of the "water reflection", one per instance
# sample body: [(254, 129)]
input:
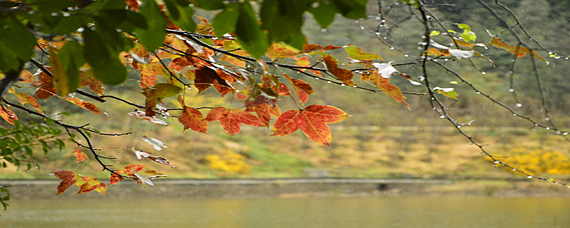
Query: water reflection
[(292, 212)]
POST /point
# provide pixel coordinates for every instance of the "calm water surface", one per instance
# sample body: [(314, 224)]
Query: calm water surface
[(421, 211)]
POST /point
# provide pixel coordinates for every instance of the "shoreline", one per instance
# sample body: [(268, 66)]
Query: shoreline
[(294, 187)]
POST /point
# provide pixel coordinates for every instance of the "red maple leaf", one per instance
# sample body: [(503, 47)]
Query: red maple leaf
[(231, 119), (206, 77), (302, 88), (312, 120), (192, 118), (342, 74)]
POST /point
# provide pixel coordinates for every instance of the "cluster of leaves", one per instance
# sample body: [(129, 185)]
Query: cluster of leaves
[(258, 62), (18, 143)]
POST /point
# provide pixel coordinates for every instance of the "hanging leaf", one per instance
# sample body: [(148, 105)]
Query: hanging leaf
[(149, 73), (155, 143), (312, 120), (192, 118), (152, 37), (27, 99), (249, 33), (518, 50), (143, 154), (231, 119), (79, 155), (92, 183), (44, 83), (206, 77), (448, 92), (264, 107), (342, 74), (142, 115), (84, 104), (384, 84), (7, 115), (69, 179), (128, 170), (87, 78), (282, 51), (356, 53), (155, 94), (302, 88)]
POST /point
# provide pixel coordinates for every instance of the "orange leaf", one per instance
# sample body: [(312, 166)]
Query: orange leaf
[(312, 120), (92, 183), (149, 73), (45, 85), (231, 119), (27, 99), (87, 78), (313, 47), (264, 107), (384, 84), (84, 104), (26, 76), (282, 51), (305, 62), (69, 178), (114, 178), (7, 115), (192, 118), (302, 88), (518, 50), (206, 77), (178, 64), (79, 155), (342, 74)]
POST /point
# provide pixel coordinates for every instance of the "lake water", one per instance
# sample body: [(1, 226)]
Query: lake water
[(417, 211)]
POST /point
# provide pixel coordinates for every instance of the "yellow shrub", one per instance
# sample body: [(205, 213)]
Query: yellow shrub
[(538, 161), (229, 162)]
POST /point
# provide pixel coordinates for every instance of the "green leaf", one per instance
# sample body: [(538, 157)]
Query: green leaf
[(283, 20), (353, 9), (250, 35), (16, 42), (324, 12), (448, 92), (71, 57), (105, 63), (467, 35), (166, 90), (153, 37), (208, 4), (181, 14), (225, 22)]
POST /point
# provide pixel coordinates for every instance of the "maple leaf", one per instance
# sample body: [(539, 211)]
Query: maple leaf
[(79, 155), (149, 74), (90, 184), (342, 74), (87, 78), (305, 62), (155, 94), (206, 77), (302, 88), (7, 115), (128, 170), (383, 83), (178, 64), (264, 107), (26, 99), (192, 118), (312, 120), (84, 104), (518, 50), (231, 119), (69, 178), (45, 85)]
